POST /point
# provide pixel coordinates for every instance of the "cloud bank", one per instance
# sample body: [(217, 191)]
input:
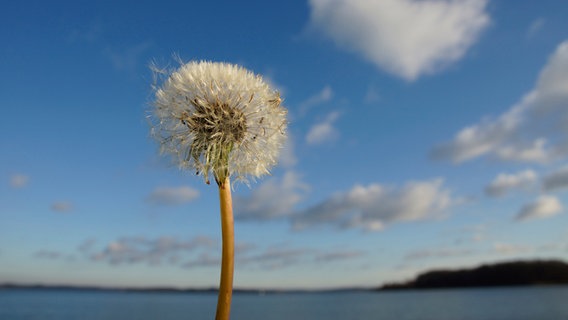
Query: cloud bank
[(407, 38)]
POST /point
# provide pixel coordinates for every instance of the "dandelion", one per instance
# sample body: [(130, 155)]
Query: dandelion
[(220, 120)]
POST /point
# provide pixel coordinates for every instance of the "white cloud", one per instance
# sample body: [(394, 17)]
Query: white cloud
[(405, 37), (323, 131), (325, 95), (173, 195), (19, 180), (62, 206), (556, 180), (545, 206), (275, 198), (533, 130), (504, 183), (375, 206)]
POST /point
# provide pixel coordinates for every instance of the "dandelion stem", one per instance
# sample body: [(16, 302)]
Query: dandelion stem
[(228, 257)]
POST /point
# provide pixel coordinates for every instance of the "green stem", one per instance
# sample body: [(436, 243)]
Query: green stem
[(228, 256)]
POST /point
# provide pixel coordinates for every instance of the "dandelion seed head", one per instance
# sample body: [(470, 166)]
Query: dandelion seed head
[(220, 119)]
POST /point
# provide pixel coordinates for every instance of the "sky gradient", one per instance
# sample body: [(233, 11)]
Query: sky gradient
[(422, 134)]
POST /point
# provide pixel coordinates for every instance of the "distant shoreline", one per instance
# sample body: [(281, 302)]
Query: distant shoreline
[(505, 274), (10, 286), (386, 288)]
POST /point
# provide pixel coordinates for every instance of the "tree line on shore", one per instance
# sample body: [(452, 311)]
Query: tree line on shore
[(515, 273)]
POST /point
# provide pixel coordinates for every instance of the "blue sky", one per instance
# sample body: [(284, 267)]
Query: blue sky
[(423, 134)]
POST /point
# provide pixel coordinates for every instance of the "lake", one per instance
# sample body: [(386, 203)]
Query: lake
[(519, 303)]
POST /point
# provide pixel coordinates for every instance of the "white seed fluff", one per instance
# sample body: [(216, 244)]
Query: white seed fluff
[(220, 119)]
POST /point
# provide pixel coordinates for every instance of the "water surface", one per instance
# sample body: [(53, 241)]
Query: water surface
[(530, 303)]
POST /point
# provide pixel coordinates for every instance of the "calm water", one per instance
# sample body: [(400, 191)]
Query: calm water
[(542, 303)]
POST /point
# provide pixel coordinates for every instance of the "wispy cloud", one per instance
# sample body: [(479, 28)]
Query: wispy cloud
[(198, 252), (325, 95), (404, 37), (372, 96), (472, 234), (337, 256), (126, 58), (375, 206), (90, 33), (49, 254), (87, 246), (62, 206), (509, 248), (504, 183), (19, 180), (535, 27), (438, 253), (275, 198), (544, 206), (131, 250), (533, 130), (323, 131), (277, 257), (203, 260), (172, 195)]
